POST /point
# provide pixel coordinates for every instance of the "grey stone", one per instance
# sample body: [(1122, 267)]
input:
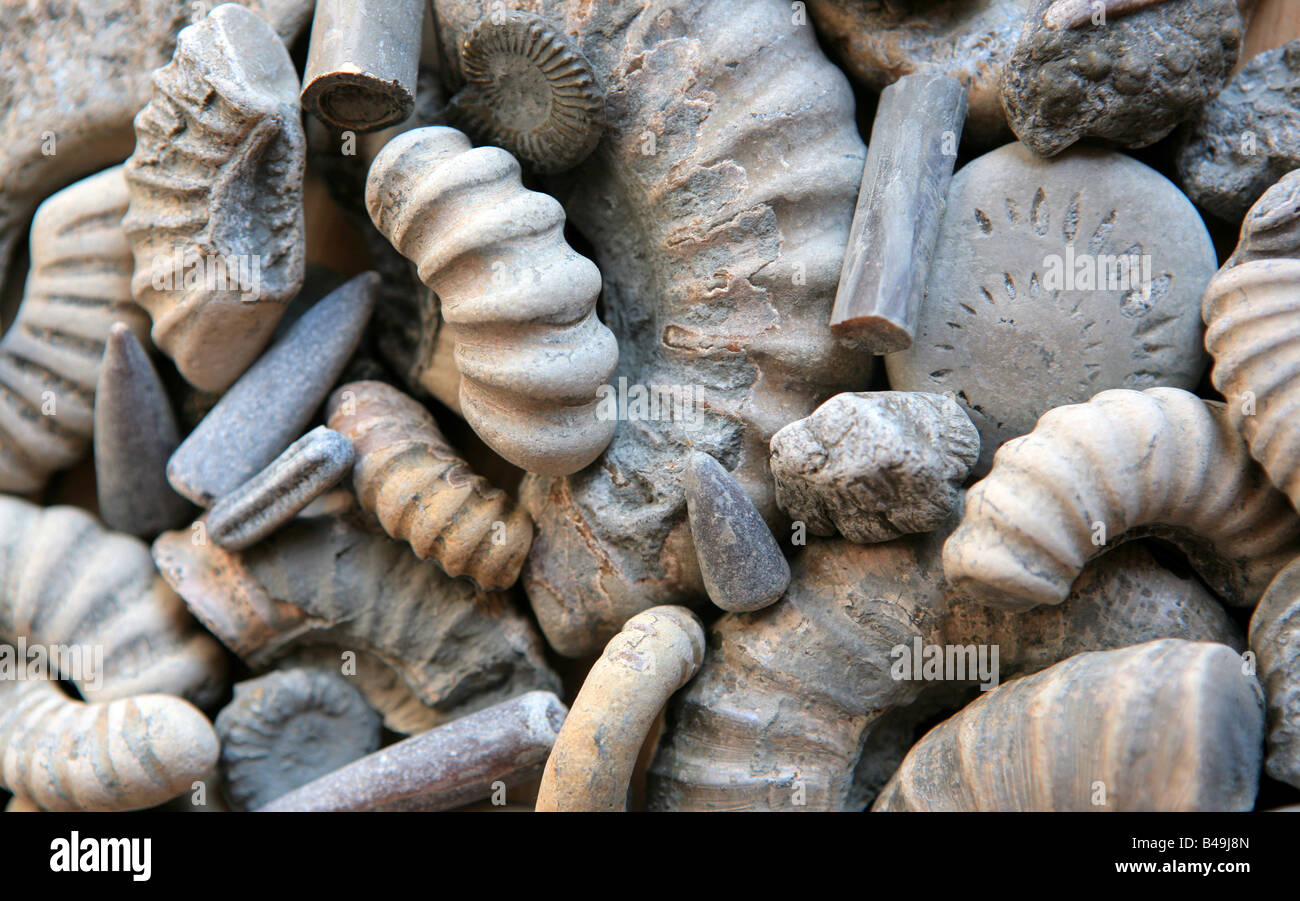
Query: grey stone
[(1130, 80), (135, 433), (909, 165), (740, 561), (1247, 137), (1014, 322), (274, 400)]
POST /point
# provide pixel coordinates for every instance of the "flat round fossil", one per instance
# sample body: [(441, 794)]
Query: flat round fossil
[(1053, 280)]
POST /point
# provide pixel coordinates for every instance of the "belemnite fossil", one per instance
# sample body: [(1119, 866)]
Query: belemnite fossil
[(486, 413)]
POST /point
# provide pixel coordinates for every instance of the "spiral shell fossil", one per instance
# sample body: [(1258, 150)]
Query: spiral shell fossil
[(50, 357), (529, 347), (1275, 639), (1158, 462), (215, 219), (1167, 725), (423, 492)]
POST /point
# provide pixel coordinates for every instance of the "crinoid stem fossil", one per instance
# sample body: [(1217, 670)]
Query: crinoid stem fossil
[(521, 301), (1164, 726), (126, 754), (1073, 13), (657, 653), (363, 62), (215, 219), (78, 286), (1275, 639), (307, 469), (909, 164), (452, 765), (271, 404), (1158, 462), (66, 581), (530, 90), (423, 492)]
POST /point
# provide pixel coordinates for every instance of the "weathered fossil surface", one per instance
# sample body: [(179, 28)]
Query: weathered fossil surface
[(1158, 462), (879, 41), (874, 466), (1053, 280), (1131, 80), (66, 580), (1247, 137), (1275, 639), (215, 219), (720, 258), (50, 356), (788, 696), (1167, 725)]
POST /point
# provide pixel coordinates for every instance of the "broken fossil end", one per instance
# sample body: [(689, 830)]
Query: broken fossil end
[(357, 101), (875, 335)]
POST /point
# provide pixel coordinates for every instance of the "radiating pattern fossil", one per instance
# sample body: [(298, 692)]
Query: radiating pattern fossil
[(787, 696), (1275, 639), (323, 579), (423, 492), (1158, 462), (215, 219), (529, 90), (876, 465), (657, 653), (66, 580), (287, 728), (121, 755), (1167, 725), (1053, 280), (521, 301), (50, 356)]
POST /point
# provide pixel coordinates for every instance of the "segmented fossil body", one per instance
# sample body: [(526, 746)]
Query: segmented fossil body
[(423, 492), (521, 301), (789, 697), (215, 219), (1158, 462), (79, 285), (66, 580), (718, 206), (1275, 639), (1166, 725)]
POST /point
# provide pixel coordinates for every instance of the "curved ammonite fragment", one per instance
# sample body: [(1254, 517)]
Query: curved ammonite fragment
[(1275, 639)]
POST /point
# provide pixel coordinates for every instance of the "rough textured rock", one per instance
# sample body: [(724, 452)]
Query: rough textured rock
[(1164, 726), (1053, 280), (1247, 137), (287, 728), (1130, 81), (1275, 639), (445, 767), (742, 565), (875, 466), (216, 221), (1126, 464)]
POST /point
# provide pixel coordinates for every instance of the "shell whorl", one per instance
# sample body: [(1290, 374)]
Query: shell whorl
[(1159, 462), (78, 286), (1167, 725), (521, 301), (66, 580), (126, 754), (530, 90), (216, 213), (423, 492), (1275, 639)]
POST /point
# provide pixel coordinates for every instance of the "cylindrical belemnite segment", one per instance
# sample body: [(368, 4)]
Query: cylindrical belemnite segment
[(363, 62)]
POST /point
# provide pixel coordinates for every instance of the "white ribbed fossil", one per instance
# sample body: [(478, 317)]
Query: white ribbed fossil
[(1125, 464), (521, 301), (78, 286), (1275, 639)]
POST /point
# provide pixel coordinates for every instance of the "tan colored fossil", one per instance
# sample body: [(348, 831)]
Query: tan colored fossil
[(521, 301), (215, 220), (1167, 725), (590, 766), (1073, 13), (78, 286), (423, 492), (66, 580), (1275, 639), (126, 754), (1125, 464)]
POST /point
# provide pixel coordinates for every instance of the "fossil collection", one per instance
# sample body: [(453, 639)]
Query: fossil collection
[(416, 405)]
